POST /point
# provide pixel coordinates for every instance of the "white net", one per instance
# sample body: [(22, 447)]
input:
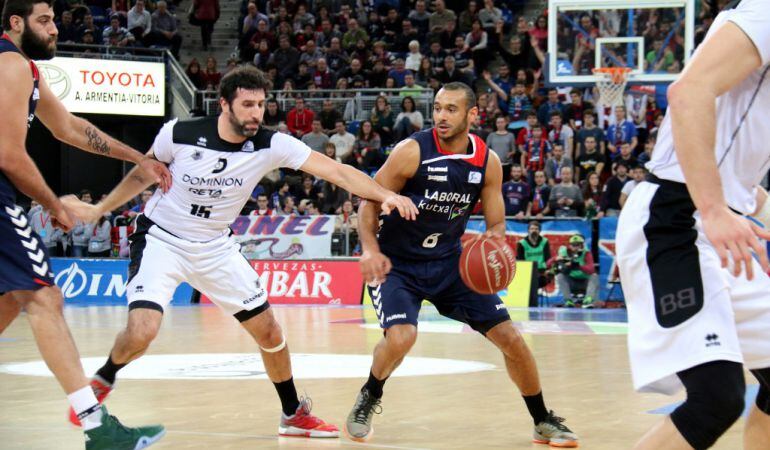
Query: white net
[(611, 85)]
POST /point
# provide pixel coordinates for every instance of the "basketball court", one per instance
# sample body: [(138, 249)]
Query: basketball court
[(203, 379)]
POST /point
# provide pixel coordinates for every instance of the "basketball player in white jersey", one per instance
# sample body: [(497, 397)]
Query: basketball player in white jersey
[(698, 302), (184, 235)]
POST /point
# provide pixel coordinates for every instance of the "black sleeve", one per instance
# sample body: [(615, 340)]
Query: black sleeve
[(547, 251), (519, 251)]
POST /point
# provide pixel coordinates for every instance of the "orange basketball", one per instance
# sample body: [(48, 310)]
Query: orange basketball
[(487, 265)]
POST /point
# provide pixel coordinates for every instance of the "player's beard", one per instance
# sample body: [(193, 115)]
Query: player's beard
[(454, 132), (241, 127), (35, 47)]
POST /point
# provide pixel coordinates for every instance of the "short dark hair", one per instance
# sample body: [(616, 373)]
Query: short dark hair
[(470, 96), (555, 114), (242, 77), (21, 8), (531, 113)]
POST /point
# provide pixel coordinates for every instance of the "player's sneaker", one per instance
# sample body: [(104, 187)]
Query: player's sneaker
[(588, 303), (113, 435), (304, 424), (359, 424), (101, 389), (553, 432)]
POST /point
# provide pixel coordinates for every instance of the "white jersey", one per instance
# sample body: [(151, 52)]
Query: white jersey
[(742, 118), (213, 179)]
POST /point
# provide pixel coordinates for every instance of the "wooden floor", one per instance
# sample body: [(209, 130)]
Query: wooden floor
[(463, 400)]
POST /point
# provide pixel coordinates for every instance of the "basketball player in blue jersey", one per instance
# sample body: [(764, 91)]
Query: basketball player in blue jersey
[(445, 171), (26, 280)]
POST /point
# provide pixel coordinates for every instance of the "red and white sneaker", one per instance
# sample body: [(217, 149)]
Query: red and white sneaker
[(101, 389), (304, 424)]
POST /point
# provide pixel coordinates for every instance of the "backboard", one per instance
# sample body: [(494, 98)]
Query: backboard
[(654, 38)]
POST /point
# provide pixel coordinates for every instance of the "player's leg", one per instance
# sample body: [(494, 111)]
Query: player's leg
[(756, 434), (131, 343), (9, 310)]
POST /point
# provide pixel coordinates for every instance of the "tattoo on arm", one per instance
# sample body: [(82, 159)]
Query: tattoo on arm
[(96, 142)]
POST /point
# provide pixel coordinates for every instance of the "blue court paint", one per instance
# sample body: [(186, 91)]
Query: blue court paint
[(751, 396), (2, 339)]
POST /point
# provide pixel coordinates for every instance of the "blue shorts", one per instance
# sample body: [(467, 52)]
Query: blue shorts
[(24, 262), (398, 299)]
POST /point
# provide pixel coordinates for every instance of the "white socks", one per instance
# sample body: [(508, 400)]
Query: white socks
[(84, 402)]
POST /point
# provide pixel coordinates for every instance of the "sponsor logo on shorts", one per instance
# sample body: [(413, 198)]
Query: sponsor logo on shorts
[(712, 340), (139, 289), (395, 316), (202, 141), (256, 296), (500, 306)]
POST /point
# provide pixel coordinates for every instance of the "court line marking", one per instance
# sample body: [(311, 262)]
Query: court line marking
[(330, 441)]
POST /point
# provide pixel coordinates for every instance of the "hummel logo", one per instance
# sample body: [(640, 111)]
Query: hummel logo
[(712, 340), (438, 169)]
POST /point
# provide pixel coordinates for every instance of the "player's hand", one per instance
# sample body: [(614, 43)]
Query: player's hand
[(404, 205), (81, 211), (374, 266), (489, 235), (61, 218), (158, 171), (734, 236)]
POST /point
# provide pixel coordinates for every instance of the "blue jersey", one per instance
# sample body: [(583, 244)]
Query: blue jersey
[(7, 193), (445, 189)]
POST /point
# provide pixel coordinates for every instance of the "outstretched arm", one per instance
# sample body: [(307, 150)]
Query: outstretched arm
[(82, 134), (492, 197)]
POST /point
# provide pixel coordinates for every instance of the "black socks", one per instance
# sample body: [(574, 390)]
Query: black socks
[(536, 407), (287, 392), (109, 370), (374, 386)]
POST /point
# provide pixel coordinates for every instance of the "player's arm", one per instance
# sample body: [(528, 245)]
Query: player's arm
[(15, 86), (492, 197), (400, 166), (82, 134), (723, 61), (132, 185), (353, 180)]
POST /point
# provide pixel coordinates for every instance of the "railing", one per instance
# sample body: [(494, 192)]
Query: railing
[(110, 52)]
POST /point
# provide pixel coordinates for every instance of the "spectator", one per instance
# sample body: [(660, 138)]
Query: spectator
[(303, 78), (311, 208), (589, 128), (467, 16), (280, 194), (307, 190), (536, 248), (576, 109), (489, 15), (440, 17), (323, 77), (262, 209), (206, 14), (560, 133), (140, 22), (302, 18), (288, 207), (194, 73), (41, 222), (90, 26), (115, 35), (392, 25), (403, 40), (253, 17), (211, 76), (347, 219), (329, 116), (164, 29), (355, 69), (539, 32), (420, 17), (78, 237), (300, 119), (286, 58), (424, 72), (436, 56), (311, 55), (326, 36), (414, 58), (518, 55), (374, 26), (100, 238), (139, 208), (410, 89), (535, 151), (463, 56), (273, 115), (554, 164), (566, 199), (612, 190), (552, 105), (638, 175), (336, 57), (526, 132), (331, 151), (353, 35), (451, 73), (621, 131), (574, 269), (541, 195), (399, 72), (503, 143), (68, 32), (591, 160), (316, 139), (344, 142), (381, 54), (646, 155), (409, 120), (332, 198), (367, 148), (519, 102), (626, 156), (262, 55), (383, 120), (516, 193), (592, 196)]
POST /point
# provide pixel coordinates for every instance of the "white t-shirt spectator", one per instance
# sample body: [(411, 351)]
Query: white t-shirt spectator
[(628, 187), (343, 143)]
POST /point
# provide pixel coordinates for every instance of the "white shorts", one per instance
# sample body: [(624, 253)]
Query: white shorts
[(161, 261), (684, 309)]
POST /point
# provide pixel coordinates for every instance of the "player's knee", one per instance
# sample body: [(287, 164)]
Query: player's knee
[(140, 335), (401, 338), (271, 336), (715, 400), (48, 300)]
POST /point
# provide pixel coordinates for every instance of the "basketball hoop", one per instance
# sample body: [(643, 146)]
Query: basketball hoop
[(611, 84)]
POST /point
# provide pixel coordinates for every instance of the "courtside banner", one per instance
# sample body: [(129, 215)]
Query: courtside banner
[(98, 282), (284, 237), (107, 86), (309, 282)]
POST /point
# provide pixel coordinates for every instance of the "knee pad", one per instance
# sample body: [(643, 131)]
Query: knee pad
[(763, 397), (277, 348), (715, 400)]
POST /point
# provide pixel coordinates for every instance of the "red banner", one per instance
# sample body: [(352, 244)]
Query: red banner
[(299, 282)]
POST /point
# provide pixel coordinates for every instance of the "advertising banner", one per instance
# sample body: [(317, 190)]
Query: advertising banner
[(99, 282), (284, 237), (107, 86), (608, 268), (309, 282)]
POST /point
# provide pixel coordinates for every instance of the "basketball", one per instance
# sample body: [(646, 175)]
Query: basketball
[(487, 265)]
